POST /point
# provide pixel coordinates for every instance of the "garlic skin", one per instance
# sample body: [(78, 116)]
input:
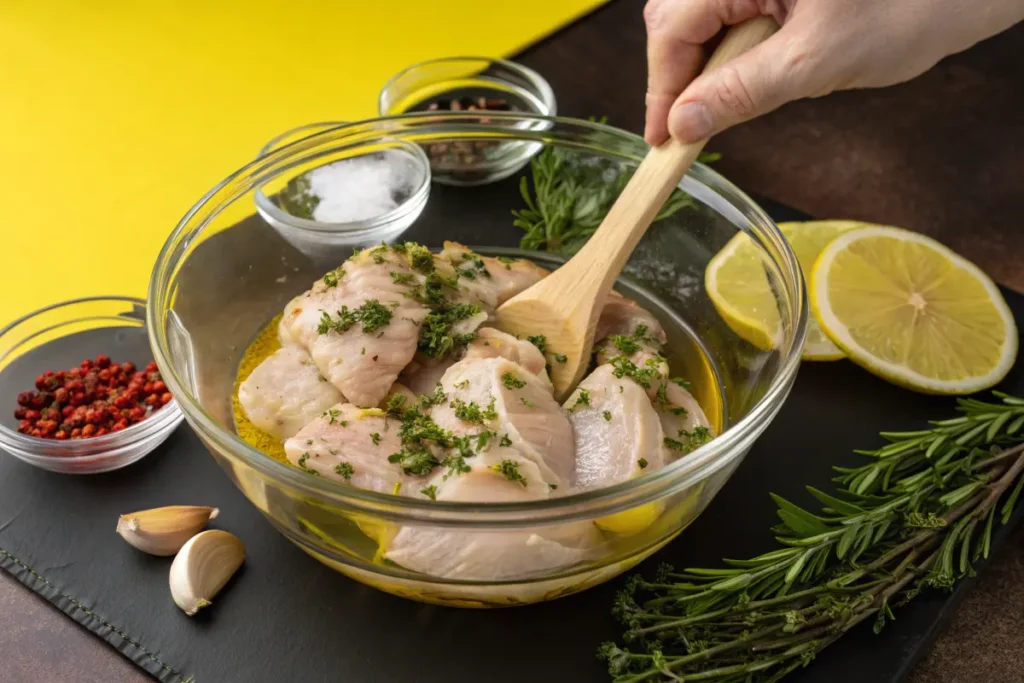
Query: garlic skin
[(202, 567), (163, 531)]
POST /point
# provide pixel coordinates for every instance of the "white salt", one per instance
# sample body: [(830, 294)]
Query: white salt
[(363, 188)]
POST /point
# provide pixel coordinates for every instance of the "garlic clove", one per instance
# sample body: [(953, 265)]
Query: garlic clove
[(202, 567), (163, 531)]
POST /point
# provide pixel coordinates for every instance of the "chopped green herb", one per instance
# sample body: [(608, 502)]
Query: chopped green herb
[(561, 358), (540, 341), (378, 253), (332, 277), (552, 486), (506, 259), (689, 441), (372, 314), (607, 415), (482, 438), (309, 442), (420, 258), (625, 344), (430, 492), (375, 438), (333, 413), (464, 384), (437, 336), (463, 445), (583, 399), (681, 382), (678, 411), (662, 396), (436, 398), (395, 405), (624, 367), (418, 428), (302, 464), (362, 351), (344, 470), (415, 460), (402, 278), (510, 468), (471, 412), (511, 381), (456, 465), (526, 402), (642, 462), (505, 441)]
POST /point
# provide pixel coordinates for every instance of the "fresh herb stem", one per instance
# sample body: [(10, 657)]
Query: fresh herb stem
[(571, 196), (918, 515)]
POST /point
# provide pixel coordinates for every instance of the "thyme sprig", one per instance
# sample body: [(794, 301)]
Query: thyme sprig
[(918, 515), (572, 193)]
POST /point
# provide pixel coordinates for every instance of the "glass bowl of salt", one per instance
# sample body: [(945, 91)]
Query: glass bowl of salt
[(349, 195)]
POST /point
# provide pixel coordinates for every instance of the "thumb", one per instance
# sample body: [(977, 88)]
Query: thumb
[(754, 83)]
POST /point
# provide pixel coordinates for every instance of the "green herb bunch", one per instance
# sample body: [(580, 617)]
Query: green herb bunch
[(917, 516), (571, 194)]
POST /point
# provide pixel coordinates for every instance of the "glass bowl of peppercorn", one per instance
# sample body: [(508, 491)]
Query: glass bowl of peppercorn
[(474, 87), (79, 391), (225, 277)]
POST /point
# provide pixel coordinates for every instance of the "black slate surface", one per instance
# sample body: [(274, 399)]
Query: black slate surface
[(285, 617)]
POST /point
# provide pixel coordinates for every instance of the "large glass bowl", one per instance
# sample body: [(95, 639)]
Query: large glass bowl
[(224, 274)]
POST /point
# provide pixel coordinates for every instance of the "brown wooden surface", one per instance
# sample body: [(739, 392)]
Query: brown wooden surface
[(943, 154)]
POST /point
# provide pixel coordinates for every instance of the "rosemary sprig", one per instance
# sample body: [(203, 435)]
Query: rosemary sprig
[(918, 515), (572, 193)]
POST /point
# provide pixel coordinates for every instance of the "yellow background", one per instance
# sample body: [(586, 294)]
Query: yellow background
[(117, 116)]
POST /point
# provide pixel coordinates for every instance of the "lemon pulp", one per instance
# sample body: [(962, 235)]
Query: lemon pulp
[(738, 285), (909, 309)]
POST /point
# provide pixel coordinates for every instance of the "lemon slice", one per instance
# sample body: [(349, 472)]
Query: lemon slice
[(738, 286), (910, 310)]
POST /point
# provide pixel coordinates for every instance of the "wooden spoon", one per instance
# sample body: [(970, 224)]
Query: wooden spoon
[(565, 306)]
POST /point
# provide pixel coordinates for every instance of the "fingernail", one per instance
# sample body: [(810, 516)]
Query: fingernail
[(691, 122)]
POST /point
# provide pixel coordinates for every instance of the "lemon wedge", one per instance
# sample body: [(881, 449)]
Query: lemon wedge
[(631, 521), (738, 286), (910, 310)]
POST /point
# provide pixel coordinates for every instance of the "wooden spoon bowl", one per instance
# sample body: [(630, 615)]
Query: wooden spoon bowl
[(565, 306)]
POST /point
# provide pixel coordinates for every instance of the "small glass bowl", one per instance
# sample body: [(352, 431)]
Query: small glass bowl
[(472, 162), (60, 337), (312, 237)]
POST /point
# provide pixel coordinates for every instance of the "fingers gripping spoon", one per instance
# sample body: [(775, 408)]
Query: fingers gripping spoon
[(565, 306)]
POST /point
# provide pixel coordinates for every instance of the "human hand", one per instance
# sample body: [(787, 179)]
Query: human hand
[(822, 46)]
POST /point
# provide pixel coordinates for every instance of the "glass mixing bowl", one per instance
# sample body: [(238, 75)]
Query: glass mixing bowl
[(224, 273)]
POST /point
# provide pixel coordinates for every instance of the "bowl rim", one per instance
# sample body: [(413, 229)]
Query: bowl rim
[(546, 92), (349, 229), (97, 447), (696, 466)]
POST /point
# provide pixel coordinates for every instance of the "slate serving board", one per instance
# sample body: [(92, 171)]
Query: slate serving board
[(285, 617)]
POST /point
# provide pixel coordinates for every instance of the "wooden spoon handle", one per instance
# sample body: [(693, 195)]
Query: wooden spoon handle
[(659, 173)]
